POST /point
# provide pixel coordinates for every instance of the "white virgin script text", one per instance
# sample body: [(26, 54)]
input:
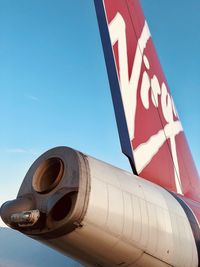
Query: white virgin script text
[(150, 90)]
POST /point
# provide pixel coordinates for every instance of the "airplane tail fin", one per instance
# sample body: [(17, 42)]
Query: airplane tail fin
[(150, 131)]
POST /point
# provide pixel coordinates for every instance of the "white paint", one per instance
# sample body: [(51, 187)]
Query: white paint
[(146, 62), (156, 91), (167, 108), (117, 30), (150, 89), (149, 149), (144, 92)]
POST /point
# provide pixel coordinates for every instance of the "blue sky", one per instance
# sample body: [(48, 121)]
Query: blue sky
[(54, 87)]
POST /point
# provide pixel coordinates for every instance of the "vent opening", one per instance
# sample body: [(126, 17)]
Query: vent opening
[(63, 207), (48, 175)]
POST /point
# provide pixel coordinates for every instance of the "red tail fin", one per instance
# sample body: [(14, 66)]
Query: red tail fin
[(150, 131)]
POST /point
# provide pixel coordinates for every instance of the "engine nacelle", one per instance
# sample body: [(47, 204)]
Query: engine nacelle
[(99, 214)]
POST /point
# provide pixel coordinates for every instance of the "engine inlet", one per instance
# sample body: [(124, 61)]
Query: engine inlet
[(48, 175)]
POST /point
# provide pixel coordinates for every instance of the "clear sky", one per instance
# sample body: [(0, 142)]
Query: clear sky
[(54, 87)]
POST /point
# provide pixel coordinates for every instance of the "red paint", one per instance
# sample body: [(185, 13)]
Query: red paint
[(160, 170)]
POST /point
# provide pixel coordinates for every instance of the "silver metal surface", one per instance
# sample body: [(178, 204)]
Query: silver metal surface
[(26, 218), (103, 216)]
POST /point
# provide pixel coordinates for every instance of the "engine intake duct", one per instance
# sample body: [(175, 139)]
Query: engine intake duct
[(100, 214), (53, 197)]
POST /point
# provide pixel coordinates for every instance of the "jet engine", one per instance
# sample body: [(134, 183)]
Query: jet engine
[(99, 214)]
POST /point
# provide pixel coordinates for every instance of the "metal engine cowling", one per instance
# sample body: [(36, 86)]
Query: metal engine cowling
[(99, 214)]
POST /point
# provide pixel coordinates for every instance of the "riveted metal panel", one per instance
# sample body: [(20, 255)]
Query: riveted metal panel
[(99, 197), (114, 220)]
